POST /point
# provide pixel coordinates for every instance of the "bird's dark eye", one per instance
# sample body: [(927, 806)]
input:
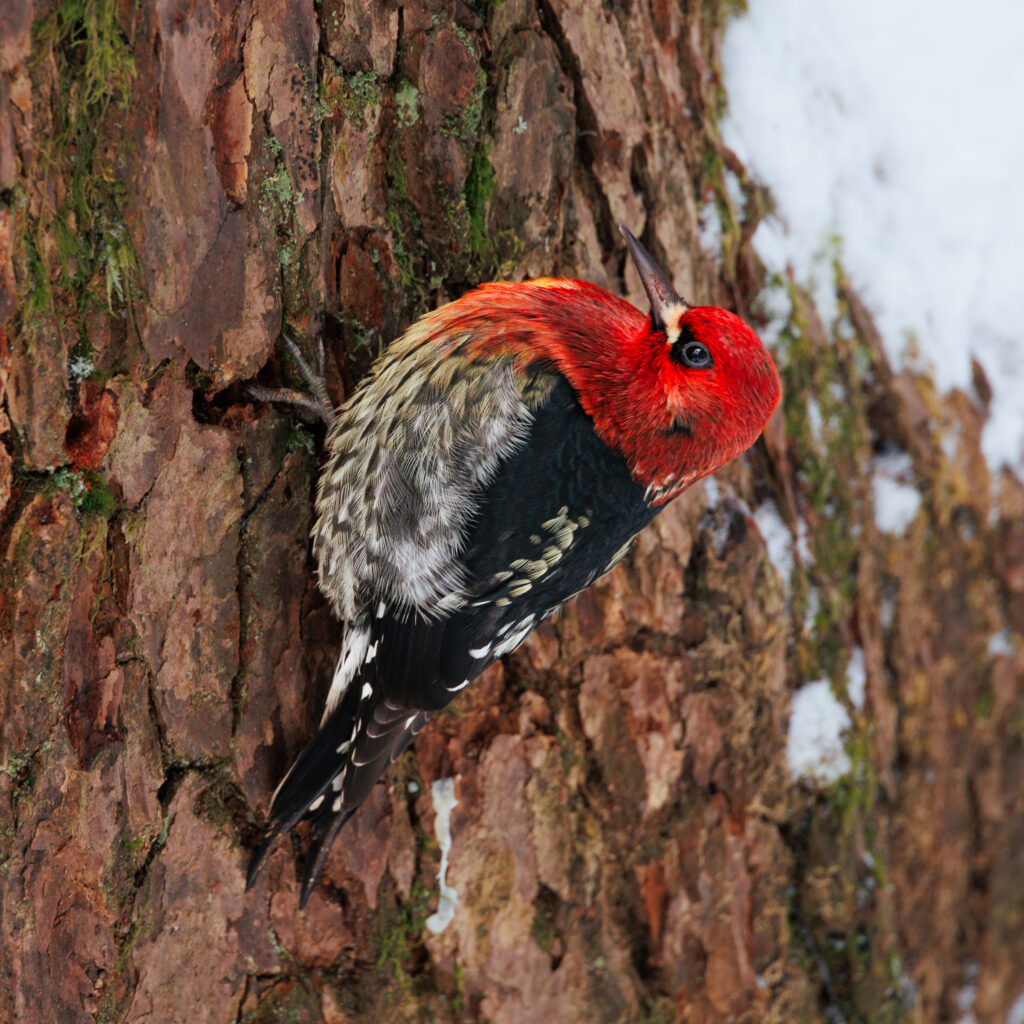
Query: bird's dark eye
[(694, 355), (689, 352)]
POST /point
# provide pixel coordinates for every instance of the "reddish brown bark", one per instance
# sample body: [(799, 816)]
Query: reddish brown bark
[(176, 182)]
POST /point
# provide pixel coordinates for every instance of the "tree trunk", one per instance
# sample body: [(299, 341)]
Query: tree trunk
[(181, 182)]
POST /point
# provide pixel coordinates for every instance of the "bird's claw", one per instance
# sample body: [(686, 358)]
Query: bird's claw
[(316, 400)]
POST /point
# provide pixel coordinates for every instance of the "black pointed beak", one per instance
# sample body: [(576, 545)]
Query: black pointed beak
[(666, 305)]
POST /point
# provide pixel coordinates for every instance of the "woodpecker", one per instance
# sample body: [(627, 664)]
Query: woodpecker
[(499, 457)]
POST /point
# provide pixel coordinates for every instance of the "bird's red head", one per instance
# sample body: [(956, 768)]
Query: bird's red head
[(679, 393), (695, 388)]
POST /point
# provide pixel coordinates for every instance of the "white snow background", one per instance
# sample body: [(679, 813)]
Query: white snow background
[(897, 125)]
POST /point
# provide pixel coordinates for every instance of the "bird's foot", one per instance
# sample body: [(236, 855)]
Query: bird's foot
[(315, 400)]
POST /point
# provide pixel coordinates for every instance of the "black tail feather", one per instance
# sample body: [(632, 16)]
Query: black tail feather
[(308, 779), (326, 827), (377, 716), (259, 857), (323, 773)]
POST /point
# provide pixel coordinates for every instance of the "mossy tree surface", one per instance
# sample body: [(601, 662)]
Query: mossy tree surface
[(178, 185)]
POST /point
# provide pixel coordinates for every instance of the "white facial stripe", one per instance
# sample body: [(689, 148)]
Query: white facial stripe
[(673, 315)]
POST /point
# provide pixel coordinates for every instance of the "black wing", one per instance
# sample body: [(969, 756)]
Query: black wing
[(542, 534)]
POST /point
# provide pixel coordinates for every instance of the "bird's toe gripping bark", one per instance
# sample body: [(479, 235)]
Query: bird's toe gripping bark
[(315, 400)]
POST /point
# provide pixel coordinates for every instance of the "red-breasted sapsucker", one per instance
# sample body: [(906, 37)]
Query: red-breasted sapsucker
[(498, 458)]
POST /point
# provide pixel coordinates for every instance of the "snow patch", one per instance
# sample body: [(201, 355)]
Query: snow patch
[(813, 606), (734, 190), (853, 139), (712, 491), (967, 996), (1016, 1014), (442, 793), (803, 547), (776, 307), (856, 678), (815, 420), (814, 747), (895, 497), (777, 539), (709, 229), (1000, 644)]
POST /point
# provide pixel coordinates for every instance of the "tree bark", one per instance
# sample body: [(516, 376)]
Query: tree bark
[(181, 182)]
